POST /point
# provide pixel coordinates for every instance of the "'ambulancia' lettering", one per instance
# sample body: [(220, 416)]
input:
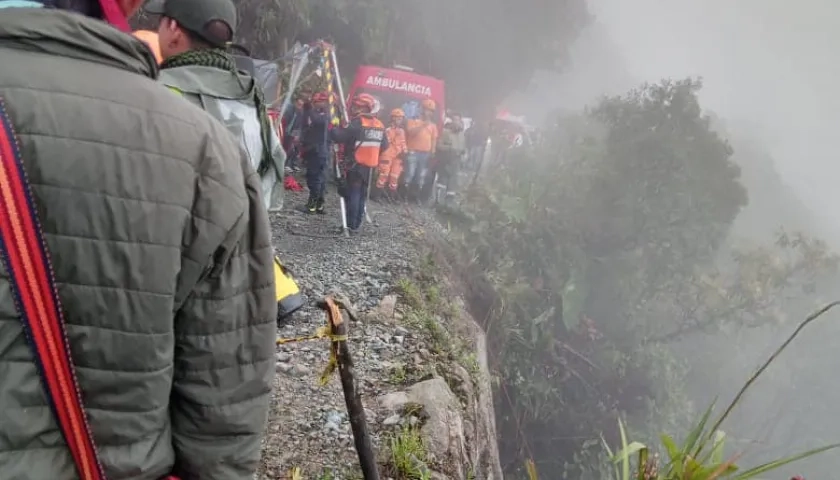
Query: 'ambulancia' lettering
[(394, 84)]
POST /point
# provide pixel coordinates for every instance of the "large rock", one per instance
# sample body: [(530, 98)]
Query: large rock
[(443, 430), (384, 312), (459, 430), (483, 448)]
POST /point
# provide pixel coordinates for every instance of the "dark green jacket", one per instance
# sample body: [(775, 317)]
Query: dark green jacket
[(229, 97), (162, 256)]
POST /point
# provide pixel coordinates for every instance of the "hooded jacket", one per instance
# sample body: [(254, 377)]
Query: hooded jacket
[(162, 256), (229, 97)]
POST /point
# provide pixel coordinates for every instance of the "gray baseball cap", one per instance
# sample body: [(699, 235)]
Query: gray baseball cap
[(194, 15)]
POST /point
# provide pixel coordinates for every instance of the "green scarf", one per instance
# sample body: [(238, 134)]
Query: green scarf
[(217, 58)]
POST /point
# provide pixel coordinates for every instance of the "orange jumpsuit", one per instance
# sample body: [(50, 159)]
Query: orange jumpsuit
[(391, 160)]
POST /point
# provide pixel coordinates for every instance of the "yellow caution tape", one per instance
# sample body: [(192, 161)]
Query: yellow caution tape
[(322, 332), (324, 379)]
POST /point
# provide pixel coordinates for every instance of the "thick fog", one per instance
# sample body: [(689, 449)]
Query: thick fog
[(770, 70), (771, 64), (770, 67)]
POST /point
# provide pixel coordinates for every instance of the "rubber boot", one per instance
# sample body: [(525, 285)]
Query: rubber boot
[(312, 205)]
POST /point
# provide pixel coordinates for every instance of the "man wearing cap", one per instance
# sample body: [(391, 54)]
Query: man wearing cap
[(160, 248), (194, 36)]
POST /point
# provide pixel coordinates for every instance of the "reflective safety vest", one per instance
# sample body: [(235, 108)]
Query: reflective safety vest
[(369, 141)]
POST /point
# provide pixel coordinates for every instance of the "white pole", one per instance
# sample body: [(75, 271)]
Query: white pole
[(343, 104), (337, 79)]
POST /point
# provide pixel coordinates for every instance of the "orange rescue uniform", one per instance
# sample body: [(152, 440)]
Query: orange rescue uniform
[(422, 140), (367, 148), (391, 160)]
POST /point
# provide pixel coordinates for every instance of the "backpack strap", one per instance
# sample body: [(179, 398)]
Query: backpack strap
[(26, 258)]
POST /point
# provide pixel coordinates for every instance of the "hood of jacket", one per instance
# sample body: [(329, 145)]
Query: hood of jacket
[(210, 81), (72, 35)]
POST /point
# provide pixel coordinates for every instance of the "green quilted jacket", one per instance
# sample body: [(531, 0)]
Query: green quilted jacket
[(162, 255)]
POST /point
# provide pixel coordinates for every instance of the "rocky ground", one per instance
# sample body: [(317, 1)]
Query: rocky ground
[(308, 427)]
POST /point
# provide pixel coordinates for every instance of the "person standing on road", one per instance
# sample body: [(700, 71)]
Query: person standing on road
[(421, 137), (159, 245), (363, 139), (315, 146), (450, 150), (391, 160), (193, 36)]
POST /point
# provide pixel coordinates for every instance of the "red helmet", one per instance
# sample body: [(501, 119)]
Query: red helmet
[(429, 104), (321, 97), (364, 100)]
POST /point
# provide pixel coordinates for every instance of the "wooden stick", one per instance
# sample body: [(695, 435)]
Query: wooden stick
[(345, 305), (352, 398)]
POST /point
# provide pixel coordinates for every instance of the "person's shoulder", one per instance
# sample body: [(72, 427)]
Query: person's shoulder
[(193, 135)]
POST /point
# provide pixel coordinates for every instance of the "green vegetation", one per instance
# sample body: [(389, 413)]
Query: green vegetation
[(702, 455), (408, 455), (595, 256), (436, 317), (398, 375)]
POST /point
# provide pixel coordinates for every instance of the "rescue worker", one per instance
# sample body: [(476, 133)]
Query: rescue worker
[(421, 137), (159, 244), (315, 145), (391, 160), (363, 140), (450, 151), (193, 36)]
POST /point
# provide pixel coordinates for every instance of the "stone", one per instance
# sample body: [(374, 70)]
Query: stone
[(394, 401), (392, 420), (443, 431), (465, 382), (384, 311), (299, 370)]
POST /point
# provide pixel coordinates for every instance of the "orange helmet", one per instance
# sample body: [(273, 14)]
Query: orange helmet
[(321, 97), (364, 100), (150, 38), (397, 112), (429, 104)]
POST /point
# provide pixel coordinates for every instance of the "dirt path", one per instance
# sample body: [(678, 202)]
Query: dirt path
[(308, 427)]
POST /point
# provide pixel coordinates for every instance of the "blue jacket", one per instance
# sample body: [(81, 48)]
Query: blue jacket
[(315, 136)]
